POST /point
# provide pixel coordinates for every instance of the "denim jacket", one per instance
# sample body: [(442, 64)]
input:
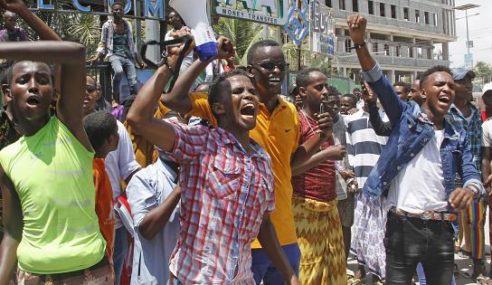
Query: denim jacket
[(411, 132)]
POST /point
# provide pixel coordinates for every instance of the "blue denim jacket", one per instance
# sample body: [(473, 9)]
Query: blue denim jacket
[(411, 131)]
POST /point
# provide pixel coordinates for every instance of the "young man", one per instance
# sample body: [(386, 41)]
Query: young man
[(319, 232), (120, 166), (178, 27), (402, 89), (363, 148), (153, 196), (277, 131), (103, 134), (12, 33), (51, 233), (226, 182), (118, 48), (423, 143), (348, 103), (472, 220)]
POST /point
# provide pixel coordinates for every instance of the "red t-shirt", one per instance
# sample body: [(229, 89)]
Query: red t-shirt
[(104, 204), (319, 182)]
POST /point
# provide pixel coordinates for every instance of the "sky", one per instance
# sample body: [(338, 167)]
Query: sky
[(480, 30)]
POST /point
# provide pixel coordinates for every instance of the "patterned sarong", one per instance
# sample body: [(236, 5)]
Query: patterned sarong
[(320, 239)]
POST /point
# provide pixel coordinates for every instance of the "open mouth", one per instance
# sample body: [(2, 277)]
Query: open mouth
[(274, 80), (444, 99), (248, 109), (33, 100)]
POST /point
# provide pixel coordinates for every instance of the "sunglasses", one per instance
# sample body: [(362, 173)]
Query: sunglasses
[(271, 66), (90, 88)]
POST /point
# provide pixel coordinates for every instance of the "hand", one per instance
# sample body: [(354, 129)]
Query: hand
[(225, 48), (15, 6), (461, 198), (325, 124), (352, 111), (347, 174), (368, 95), (352, 186), (357, 28), (338, 151)]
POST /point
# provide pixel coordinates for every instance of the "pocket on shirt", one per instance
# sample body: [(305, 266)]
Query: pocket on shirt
[(223, 183)]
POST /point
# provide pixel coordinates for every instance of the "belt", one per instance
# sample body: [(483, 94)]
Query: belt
[(427, 215), (63, 276)]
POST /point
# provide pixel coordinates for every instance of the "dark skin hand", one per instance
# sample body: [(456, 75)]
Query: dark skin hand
[(461, 198)]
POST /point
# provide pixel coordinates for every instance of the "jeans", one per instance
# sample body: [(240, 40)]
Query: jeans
[(121, 66), (421, 275), (409, 241), (263, 268), (120, 252)]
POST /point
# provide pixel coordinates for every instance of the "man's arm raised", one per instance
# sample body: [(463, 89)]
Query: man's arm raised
[(39, 26), (178, 99), (71, 57), (141, 115)]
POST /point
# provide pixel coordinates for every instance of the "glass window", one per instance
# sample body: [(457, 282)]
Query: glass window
[(355, 5), (393, 11), (341, 4), (417, 16), (371, 7), (382, 11), (406, 16)]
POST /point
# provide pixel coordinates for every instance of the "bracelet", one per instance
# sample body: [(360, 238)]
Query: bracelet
[(358, 46)]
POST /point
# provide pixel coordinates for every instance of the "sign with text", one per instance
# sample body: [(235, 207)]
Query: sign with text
[(322, 29), (273, 12), (152, 9)]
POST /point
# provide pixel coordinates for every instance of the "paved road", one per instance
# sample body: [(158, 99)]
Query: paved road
[(464, 264)]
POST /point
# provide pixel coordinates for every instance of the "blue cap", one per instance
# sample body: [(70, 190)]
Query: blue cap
[(461, 72)]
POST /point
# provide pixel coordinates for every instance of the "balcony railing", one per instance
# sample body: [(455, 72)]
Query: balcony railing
[(421, 63)]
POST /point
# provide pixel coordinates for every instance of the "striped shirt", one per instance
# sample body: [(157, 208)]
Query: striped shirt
[(363, 145), (225, 193)]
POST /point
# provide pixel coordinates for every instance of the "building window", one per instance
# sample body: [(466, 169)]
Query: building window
[(341, 4), (374, 47), (381, 10), (371, 7), (406, 16), (410, 52), (434, 18), (398, 50), (348, 45), (328, 3), (355, 5), (426, 18), (393, 11), (417, 16), (386, 49)]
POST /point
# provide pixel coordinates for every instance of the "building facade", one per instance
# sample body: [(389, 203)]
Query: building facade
[(405, 36)]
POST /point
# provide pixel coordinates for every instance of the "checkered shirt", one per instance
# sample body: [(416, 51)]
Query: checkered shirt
[(473, 131), (225, 193)]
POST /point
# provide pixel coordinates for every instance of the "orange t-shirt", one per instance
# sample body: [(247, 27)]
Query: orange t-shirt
[(145, 152), (104, 204), (278, 134)]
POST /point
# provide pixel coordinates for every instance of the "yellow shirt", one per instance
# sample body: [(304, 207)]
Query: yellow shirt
[(278, 134), (145, 152)]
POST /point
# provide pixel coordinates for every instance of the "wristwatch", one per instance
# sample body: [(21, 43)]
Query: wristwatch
[(358, 46)]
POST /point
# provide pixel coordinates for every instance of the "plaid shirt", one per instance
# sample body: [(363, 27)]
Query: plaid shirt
[(225, 193), (473, 131)]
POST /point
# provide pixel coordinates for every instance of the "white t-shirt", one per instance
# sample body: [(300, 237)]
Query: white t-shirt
[(120, 163), (419, 187), (487, 133)]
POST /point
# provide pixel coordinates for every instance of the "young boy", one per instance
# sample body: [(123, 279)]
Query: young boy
[(102, 131), (226, 181)]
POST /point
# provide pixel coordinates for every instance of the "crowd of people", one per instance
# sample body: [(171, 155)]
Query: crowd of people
[(228, 181)]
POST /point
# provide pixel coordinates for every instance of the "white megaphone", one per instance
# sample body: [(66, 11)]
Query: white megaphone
[(194, 14)]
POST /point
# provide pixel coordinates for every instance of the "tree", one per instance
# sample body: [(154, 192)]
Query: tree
[(483, 71)]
